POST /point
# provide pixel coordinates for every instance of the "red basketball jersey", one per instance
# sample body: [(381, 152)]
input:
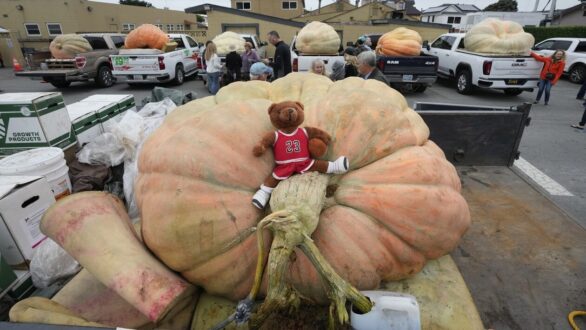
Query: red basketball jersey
[(290, 148)]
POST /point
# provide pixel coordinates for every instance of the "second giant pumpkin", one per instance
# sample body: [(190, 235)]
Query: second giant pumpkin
[(399, 42), (399, 206), (146, 36)]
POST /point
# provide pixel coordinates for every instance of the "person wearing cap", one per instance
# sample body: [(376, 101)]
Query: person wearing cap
[(363, 44), (260, 71), (351, 65)]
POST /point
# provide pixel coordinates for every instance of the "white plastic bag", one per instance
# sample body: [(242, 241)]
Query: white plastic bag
[(50, 263)]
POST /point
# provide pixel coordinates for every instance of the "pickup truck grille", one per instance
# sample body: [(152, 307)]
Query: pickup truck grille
[(61, 64)]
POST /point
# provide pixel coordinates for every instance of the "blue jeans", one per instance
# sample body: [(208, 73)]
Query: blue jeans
[(544, 85), (214, 82)]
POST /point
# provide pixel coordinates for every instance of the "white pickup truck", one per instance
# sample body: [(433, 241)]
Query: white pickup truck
[(509, 73), (575, 55), (302, 63), (153, 65)]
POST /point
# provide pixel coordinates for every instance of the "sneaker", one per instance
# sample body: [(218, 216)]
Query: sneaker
[(260, 199), (545, 103), (535, 102), (339, 166), (578, 126)]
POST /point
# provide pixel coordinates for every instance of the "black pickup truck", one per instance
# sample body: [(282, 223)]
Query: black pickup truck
[(407, 74)]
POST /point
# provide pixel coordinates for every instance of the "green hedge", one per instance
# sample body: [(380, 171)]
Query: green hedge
[(542, 33)]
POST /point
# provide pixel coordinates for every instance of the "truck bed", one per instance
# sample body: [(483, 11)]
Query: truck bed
[(523, 258)]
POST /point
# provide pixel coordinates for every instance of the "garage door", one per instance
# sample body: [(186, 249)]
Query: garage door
[(243, 29)]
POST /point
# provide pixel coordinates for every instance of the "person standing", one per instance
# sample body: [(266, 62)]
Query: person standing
[(234, 66), (282, 60), (367, 67), (249, 57), (582, 122), (351, 65), (582, 91), (553, 68), (260, 71), (213, 68)]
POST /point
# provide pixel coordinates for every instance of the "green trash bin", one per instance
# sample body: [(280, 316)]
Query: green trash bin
[(7, 276)]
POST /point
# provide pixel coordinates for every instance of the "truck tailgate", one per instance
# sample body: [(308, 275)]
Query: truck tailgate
[(47, 73), (523, 258), (135, 63), (515, 67), (408, 64)]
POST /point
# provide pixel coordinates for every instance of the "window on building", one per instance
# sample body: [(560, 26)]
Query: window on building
[(32, 29), (454, 20), (160, 26), (289, 5), (432, 19), (243, 5), (118, 41), (179, 27), (128, 27), (170, 27), (54, 29)]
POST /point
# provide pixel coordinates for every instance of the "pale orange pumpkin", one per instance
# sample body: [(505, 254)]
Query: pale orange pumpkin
[(399, 206), (399, 42), (494, 36), (68, 45), (146, 36)]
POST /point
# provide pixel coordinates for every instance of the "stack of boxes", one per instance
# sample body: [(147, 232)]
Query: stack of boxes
[(33, 120)]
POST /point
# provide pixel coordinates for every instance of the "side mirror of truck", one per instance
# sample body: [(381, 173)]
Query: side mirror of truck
[(426, 45)]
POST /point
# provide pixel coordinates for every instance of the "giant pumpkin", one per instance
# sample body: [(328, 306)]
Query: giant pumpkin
[(494, 36), (399, 206), (146, 36), (68, 45), (229, 41), (399, 42), (318, 38)]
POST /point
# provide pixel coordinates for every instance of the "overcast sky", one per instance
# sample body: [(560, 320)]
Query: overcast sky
[(524, 5)]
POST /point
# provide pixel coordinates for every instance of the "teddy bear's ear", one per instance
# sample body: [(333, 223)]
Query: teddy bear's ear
[(300, 105), (272, 107)]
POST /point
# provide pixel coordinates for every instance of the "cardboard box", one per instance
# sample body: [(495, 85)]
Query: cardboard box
[(124, 102), (85, 122), (23, 201), (33, 120)]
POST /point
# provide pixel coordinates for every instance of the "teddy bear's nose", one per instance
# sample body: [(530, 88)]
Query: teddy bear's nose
[(291, 111)]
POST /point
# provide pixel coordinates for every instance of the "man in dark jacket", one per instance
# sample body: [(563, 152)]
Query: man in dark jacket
[(282, 61), (234, 65), (367, 67)]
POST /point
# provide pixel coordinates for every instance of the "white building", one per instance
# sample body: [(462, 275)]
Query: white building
[(448, 14)]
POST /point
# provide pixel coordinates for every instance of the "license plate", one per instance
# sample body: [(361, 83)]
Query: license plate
[(512, 82), (407, 77), (137, 77)]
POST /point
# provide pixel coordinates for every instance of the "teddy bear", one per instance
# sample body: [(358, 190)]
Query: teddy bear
[(295, 149)]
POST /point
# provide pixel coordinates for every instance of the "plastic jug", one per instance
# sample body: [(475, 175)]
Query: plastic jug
[(391, 310)]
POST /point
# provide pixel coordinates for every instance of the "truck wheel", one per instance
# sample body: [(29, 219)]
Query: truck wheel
[(464, 82), (104, 77), (59, 83), (513, 91), (578, 74), (179, 75), (420, 88)]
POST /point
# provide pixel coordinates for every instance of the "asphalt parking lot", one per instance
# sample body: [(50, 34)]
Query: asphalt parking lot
[(549, 144)]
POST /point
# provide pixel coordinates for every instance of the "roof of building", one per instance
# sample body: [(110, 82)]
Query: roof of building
[(464, 8), (202, 9), (566, 11), (315, 11), (410, 8)]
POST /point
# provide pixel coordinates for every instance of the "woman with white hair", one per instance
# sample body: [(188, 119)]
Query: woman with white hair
[(318, 67)]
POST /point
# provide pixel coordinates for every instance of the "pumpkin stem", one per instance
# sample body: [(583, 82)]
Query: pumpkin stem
[(298, 202)]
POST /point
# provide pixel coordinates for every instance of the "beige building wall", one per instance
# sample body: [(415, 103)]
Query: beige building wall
[(84, 16), (326, 12), (575, 18), (271, 7), (373, 11)]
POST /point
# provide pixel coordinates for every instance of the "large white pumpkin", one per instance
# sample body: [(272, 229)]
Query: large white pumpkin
[(318, 38), (229, 41), (493, 36)]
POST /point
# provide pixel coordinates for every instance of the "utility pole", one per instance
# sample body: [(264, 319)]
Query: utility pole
[(318, 6), (552, 11), (536, 5)]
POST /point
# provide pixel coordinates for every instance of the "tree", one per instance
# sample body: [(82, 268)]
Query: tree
[(139, 3), (502, 5)]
